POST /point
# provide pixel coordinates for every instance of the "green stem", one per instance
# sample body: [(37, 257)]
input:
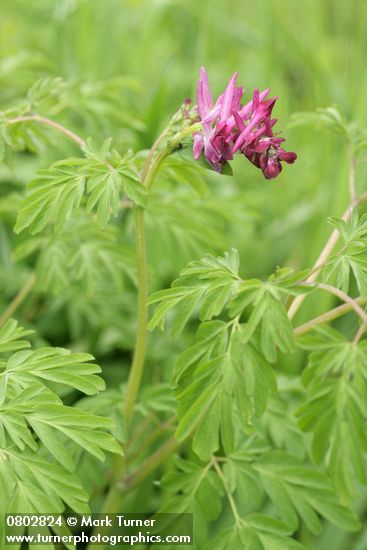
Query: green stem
[(328, 316), (152, 174), (137, 366), (139, 431), (341, 295), (359, 333), (152, 437), (166, 151), (48, 122), (151, 463), (230, 498), (123, 485), (352, 175), (150, 156), (18, 299), (149, 173)]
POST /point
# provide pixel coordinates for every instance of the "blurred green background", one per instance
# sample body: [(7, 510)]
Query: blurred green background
[(131, 63)]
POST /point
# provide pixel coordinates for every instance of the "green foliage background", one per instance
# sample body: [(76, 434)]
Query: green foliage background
[(128, 66)]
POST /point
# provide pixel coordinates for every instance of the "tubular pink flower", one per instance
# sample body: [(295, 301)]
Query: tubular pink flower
[(229, 128), (229, 99), (203, 96), (198, 146)]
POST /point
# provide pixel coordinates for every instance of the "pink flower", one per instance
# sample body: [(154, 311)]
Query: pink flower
[(216, 136), (229, 127)]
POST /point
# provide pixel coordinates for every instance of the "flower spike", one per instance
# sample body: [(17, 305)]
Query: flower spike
[(229, 128)]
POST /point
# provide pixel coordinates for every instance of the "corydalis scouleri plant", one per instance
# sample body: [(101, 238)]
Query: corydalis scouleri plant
[(229, 127), (242, 463)]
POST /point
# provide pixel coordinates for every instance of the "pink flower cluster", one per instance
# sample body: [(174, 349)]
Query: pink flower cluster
[(229, 127)]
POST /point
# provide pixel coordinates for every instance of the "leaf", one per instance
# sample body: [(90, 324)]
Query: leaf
[(86, 253), (81, 427), (28, 248), (185, 171), (351, 259), (157, 398), (104, 190), (328, 118), (39, 409), (11, 337), (52, 266), (32, 416), (296, 489), (227, 169), (335, 411), (107, 403), (40, 486), (200, 487), (181, 226), (331, 119), (279, 425), (207, 284), (186, 297), (4, 137), (222, 383), (109, 174), (46, 90), (57, 365), (132, 186), (53, 195), (256, 532), (268, 314)]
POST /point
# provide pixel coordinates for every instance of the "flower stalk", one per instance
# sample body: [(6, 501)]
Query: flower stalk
[(137, 366), (148, 174)]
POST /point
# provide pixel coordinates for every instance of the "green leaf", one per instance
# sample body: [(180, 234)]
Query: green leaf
[(109, 174), (57, 365), (53, 195), (86, 253), (256, 532), (351, 259), (104, 191), (46, 91), (335, 411), (227, 169), (222, 383), (296, 489), (33, 417), (11, 337), (199, 485), (132, 186), (206, 284), (183, 169), (81, 427), (4, 137), (39, 485), (279, 425), (52, 266), (328, 118), (267, 313)]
